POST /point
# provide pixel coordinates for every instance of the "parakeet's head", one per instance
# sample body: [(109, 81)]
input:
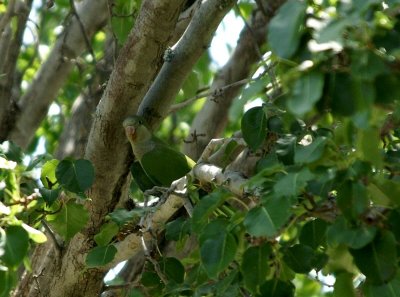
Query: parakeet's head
[(136, 129)]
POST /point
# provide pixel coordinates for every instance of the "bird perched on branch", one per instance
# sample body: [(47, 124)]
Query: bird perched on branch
[(161, 163)]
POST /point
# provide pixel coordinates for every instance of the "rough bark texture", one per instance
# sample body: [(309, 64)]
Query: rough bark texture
[(52, 75), (212, 119), (181, 59), (135, 68), (75, 134), (10, 45)]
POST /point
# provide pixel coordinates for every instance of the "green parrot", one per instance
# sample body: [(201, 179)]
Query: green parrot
[(159, 161)]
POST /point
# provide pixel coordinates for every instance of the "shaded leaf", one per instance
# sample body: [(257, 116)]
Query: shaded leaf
[(75, 176), (254, 127), (100, 255), (344, 285), (292, 183), (378, 260), (255, 266), (106, 234), (173, 269), (50, 195), (340, 232), (277, 288), (16, 246), (313, 233), (217, 247), (284, 30), (306, 91), (312, 152)]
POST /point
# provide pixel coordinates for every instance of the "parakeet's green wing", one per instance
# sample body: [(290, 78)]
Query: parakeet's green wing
[(164, 165), (141, 178)]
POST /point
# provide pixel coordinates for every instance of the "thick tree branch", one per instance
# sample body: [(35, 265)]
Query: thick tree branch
[(180, 61), (10, 47), (211, 120), (107, 148), (204, 173), (55, 70)]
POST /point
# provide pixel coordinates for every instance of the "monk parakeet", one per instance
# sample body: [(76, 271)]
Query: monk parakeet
[(161, 163)]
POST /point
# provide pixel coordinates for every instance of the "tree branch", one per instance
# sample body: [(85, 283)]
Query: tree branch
[(211, 120), (180, 61), (55, 70)]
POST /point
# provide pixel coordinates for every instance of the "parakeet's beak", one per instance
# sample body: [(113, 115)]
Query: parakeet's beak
[(130, 132)]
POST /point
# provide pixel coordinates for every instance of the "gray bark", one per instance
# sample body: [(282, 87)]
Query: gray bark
[(213, 117)]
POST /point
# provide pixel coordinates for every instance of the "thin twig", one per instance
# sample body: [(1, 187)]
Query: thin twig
[(57, 244), (215, 93)]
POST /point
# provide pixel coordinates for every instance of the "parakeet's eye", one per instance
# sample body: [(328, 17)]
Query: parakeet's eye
[(140, 122)]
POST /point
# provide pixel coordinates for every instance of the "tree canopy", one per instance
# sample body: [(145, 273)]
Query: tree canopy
[(296, 139)]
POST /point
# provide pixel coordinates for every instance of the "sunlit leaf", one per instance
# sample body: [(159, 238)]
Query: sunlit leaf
[(70, 220)]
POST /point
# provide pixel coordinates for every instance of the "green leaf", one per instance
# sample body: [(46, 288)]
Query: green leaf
[(344, 285), (312, 152), (343, 101), (16, 246), (352, 199), (302, 258), (277, 288), (368, 143), (313, 233), (191, 85), (121, 26), (75, 176), (205, 207), (284, 30), (254, 127), (106, 234), (176, 229), (391, 289), (378, 260), (173, 269), (100, 255), (333, 31), (121, 216), (291, 184), (50, 195), (306, 91), (217, 247), (70, 220), (48, 174), (7, 281), (34, 234), (367, 65), (340, 232), (258, 222), (266, 220), (255, 266)]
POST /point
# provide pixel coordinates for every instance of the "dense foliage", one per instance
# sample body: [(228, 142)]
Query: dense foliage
[(319, 214)]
